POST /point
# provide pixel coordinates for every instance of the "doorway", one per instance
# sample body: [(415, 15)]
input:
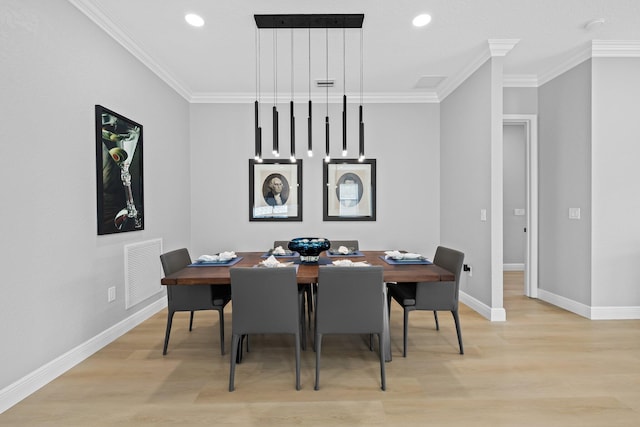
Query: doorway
[(527, 127)]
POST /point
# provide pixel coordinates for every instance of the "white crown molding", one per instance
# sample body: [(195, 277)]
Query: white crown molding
[(615, 48), (500, 47), (596, 49), (369, 98), (520, 80), (100, 18), (495, 47), (451, 84)]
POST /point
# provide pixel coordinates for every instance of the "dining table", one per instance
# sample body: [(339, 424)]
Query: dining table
[(307, 273)]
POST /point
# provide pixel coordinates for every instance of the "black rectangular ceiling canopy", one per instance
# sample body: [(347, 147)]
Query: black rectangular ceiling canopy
[(310, 21)]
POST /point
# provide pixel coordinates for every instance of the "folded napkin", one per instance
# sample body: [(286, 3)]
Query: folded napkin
[(343, 250), (402, 255), (222, 256), (273, 262), (349, 263), (279, 251)]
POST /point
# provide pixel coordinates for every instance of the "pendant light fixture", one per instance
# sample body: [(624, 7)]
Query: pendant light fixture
[(258, 142), (344, 95), (293, 119), (312, 21), (309, 137), (327, 156), (361, 122), (276, 149)]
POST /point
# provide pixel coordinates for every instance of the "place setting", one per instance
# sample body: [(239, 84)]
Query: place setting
[(404, 258), (280, 252), (343, 251), (222, 259), (273, 262)]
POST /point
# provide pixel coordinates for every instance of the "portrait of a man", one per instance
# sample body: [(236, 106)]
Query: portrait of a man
[(275, 190)]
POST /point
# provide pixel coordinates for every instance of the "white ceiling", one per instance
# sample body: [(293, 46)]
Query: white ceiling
[(218, 61)]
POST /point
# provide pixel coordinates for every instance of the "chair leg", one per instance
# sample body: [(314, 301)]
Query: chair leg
[(457, 320), (191, 321), (235, 343), (166, 335), (435, 316), (221, 331), (297, 361), (240, 343), (383, 374), (404, 333), (318, 343), (303, 323)]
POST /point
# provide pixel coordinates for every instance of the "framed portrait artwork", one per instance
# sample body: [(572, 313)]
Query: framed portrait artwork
[(119, 178), (275, 190), (349, 190)]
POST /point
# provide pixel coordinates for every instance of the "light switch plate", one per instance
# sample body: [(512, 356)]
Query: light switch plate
[(574, 213), (483, 214), (518, 212)]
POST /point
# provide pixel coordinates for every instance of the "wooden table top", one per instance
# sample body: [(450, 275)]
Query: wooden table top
[(308, 273)]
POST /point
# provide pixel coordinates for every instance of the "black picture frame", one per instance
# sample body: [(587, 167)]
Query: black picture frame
[(119, 173), (349, 190), (263, 177)]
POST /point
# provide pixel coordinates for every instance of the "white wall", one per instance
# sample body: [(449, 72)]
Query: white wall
[(565, 182), (465, 163), (56, 65), (615, 233), (403, 138)]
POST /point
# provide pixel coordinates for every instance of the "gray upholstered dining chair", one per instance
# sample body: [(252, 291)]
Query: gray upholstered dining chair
[(283, 243), (350, 300), (191, 298), (431, 296), (306, 295), (265, 301)]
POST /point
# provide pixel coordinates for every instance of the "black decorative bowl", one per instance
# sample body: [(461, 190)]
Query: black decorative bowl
[(309, 248)]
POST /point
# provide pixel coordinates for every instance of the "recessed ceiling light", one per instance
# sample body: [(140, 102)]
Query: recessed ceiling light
[(194, 20), (421, 20)]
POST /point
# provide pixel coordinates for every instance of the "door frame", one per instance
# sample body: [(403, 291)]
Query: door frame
[(530, 124)]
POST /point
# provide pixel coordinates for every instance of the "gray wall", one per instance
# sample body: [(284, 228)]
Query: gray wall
[(520, 100), (465, 163), (403, 138), (56, 65), (615, 182), (514, 194), (565, 182)]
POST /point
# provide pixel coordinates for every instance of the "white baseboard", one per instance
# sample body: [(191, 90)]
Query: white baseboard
[(590, 312), (513, 267), (565, 303), (493, 314), (615, 313), (32, 382)]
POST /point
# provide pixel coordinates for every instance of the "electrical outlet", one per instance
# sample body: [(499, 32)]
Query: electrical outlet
[(111, 294), (467, 268)]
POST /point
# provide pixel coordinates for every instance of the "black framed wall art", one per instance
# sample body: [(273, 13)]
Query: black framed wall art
[(349, 191), (275, 190), (119, 177)]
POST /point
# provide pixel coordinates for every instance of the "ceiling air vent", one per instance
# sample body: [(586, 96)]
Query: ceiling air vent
[(325, 83)]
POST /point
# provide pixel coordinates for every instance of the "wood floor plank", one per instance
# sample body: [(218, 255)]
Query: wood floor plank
[(543, 366)]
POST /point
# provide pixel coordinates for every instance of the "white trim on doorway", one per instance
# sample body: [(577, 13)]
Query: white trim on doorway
[(530, 123)]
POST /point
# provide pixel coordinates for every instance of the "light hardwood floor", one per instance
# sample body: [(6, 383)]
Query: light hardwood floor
[(542, 367)]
